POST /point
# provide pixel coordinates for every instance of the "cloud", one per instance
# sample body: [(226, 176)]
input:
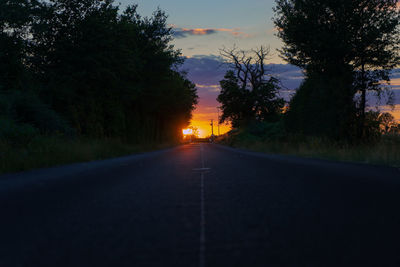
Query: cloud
[(235, 32), (186, 32), (396, 77), (210, 88), (290, 76), (206, 71), (395, 83), (272, 30)]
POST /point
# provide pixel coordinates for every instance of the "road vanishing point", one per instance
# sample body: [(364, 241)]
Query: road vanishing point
[(201, 205)]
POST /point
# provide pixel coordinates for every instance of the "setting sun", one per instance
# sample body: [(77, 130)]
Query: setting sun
[(187, 131), (204, 127)]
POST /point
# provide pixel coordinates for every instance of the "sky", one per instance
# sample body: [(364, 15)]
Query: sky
[(226, 22), (202, 28)]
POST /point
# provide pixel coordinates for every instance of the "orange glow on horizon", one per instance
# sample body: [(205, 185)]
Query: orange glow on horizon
[(204, 128), (395, 112), (202, 122), (395, 82)]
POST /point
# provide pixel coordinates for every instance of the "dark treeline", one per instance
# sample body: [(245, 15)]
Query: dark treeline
[(345, 48), (86, 68)]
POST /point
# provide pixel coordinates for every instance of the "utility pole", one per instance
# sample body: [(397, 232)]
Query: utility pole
[(218, 122), (212, 128)]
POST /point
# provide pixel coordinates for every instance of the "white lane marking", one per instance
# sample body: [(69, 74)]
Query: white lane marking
[(202, 155), (202, 226), (202, 251)]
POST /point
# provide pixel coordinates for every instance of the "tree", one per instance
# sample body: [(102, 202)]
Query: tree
[(16, 16), (106, 73), (248, 93), (322, 106), (376, 48), (387, 122), (111, 74), (354, 42), (378, 123)]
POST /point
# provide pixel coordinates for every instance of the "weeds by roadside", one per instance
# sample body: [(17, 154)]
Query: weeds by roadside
[(385, 151), (45, 151)]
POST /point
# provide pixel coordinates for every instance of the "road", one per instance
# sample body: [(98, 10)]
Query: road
[(201, 205)]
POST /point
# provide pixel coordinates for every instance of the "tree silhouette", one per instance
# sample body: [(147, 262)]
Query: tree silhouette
[(248, 92), (345, 48), (108, 74)]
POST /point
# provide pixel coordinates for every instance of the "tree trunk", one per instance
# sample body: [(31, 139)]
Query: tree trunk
[(363, 103)]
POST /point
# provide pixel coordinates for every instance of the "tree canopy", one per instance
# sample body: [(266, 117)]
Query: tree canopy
[(248, 92), (105, 72), (345, 48)]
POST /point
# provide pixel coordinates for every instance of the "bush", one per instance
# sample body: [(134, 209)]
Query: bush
[(18, 134), (27, 109), (385, 150), (267, 130)]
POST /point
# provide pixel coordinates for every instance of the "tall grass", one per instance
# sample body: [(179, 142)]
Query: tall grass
[(45, 151), (386, 151)]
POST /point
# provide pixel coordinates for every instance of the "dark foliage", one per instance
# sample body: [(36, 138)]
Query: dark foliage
[(248, 93), (346, 48), (323, 106), (84, 64)]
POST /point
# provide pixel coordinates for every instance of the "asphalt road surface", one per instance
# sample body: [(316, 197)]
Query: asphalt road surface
[(201, 205)]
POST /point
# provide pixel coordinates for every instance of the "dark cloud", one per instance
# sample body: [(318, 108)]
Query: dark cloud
[(205, 70), (395, 83), (183, 32), (396, 73), (290, 76), (208, 71)]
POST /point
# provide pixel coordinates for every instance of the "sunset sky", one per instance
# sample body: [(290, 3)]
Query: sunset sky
[(204, 27)]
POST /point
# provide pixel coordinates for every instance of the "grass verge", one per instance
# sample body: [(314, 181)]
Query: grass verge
[(44, 152), (386, 151)]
